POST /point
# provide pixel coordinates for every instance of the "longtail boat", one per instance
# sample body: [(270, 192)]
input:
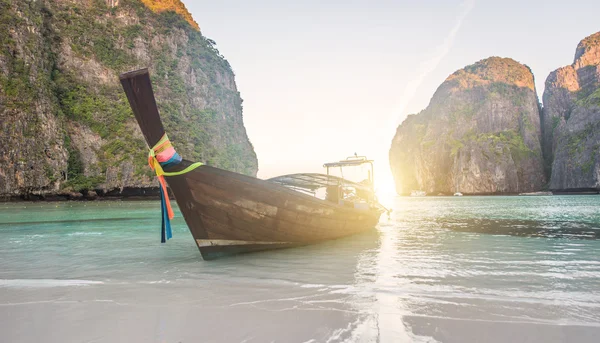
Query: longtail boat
[(230, 213)]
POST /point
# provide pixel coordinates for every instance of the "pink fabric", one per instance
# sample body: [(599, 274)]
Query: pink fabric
[(165, 155)]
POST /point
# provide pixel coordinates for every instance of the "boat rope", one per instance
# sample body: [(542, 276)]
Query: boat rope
[(161, 155)]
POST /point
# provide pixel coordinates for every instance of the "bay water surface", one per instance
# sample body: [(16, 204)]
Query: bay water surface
[(439, 269)]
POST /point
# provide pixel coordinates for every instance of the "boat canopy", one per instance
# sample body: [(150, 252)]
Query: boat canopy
[(314, 181), (350, 161)]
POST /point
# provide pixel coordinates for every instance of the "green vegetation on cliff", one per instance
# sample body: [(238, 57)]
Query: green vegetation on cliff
[(170, 6), (592, 98), (502, 72), (67, 115)]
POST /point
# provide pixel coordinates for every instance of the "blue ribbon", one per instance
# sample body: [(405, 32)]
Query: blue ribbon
[(175, 159), (166, 232)]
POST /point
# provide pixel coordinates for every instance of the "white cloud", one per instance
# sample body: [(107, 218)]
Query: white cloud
[(428, 66)]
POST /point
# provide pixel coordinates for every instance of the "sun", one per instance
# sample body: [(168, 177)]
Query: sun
[(385, 188)]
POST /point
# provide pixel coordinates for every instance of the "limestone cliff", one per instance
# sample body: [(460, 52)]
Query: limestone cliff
[(571, 120), (65, 122), (480, 134)]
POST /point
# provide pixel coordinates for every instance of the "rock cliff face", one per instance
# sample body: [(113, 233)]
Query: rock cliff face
[(480, 134), (65, 122), (571, 120)]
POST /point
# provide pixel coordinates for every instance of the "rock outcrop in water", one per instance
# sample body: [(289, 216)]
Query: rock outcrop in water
[(480, 134), (571, 120), (66, 124)]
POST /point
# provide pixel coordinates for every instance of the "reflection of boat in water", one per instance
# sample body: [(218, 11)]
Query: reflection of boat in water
[(417, 193), (229, 213), (458, 194)]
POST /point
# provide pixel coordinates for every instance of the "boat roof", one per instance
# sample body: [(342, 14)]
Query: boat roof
[(350, 161), (314, 181)]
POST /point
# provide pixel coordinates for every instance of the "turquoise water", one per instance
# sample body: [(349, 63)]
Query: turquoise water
[(446, 269)]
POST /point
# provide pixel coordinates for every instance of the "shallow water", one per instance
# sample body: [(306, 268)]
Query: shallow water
[(448, 269)]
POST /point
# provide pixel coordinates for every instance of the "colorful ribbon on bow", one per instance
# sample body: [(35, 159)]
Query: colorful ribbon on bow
[(162, 155)]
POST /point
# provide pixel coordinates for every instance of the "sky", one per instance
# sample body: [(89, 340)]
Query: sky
[(322, 80)]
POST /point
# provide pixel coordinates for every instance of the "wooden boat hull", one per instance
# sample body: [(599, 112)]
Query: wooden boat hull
[(216, 249), (230, 213)]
